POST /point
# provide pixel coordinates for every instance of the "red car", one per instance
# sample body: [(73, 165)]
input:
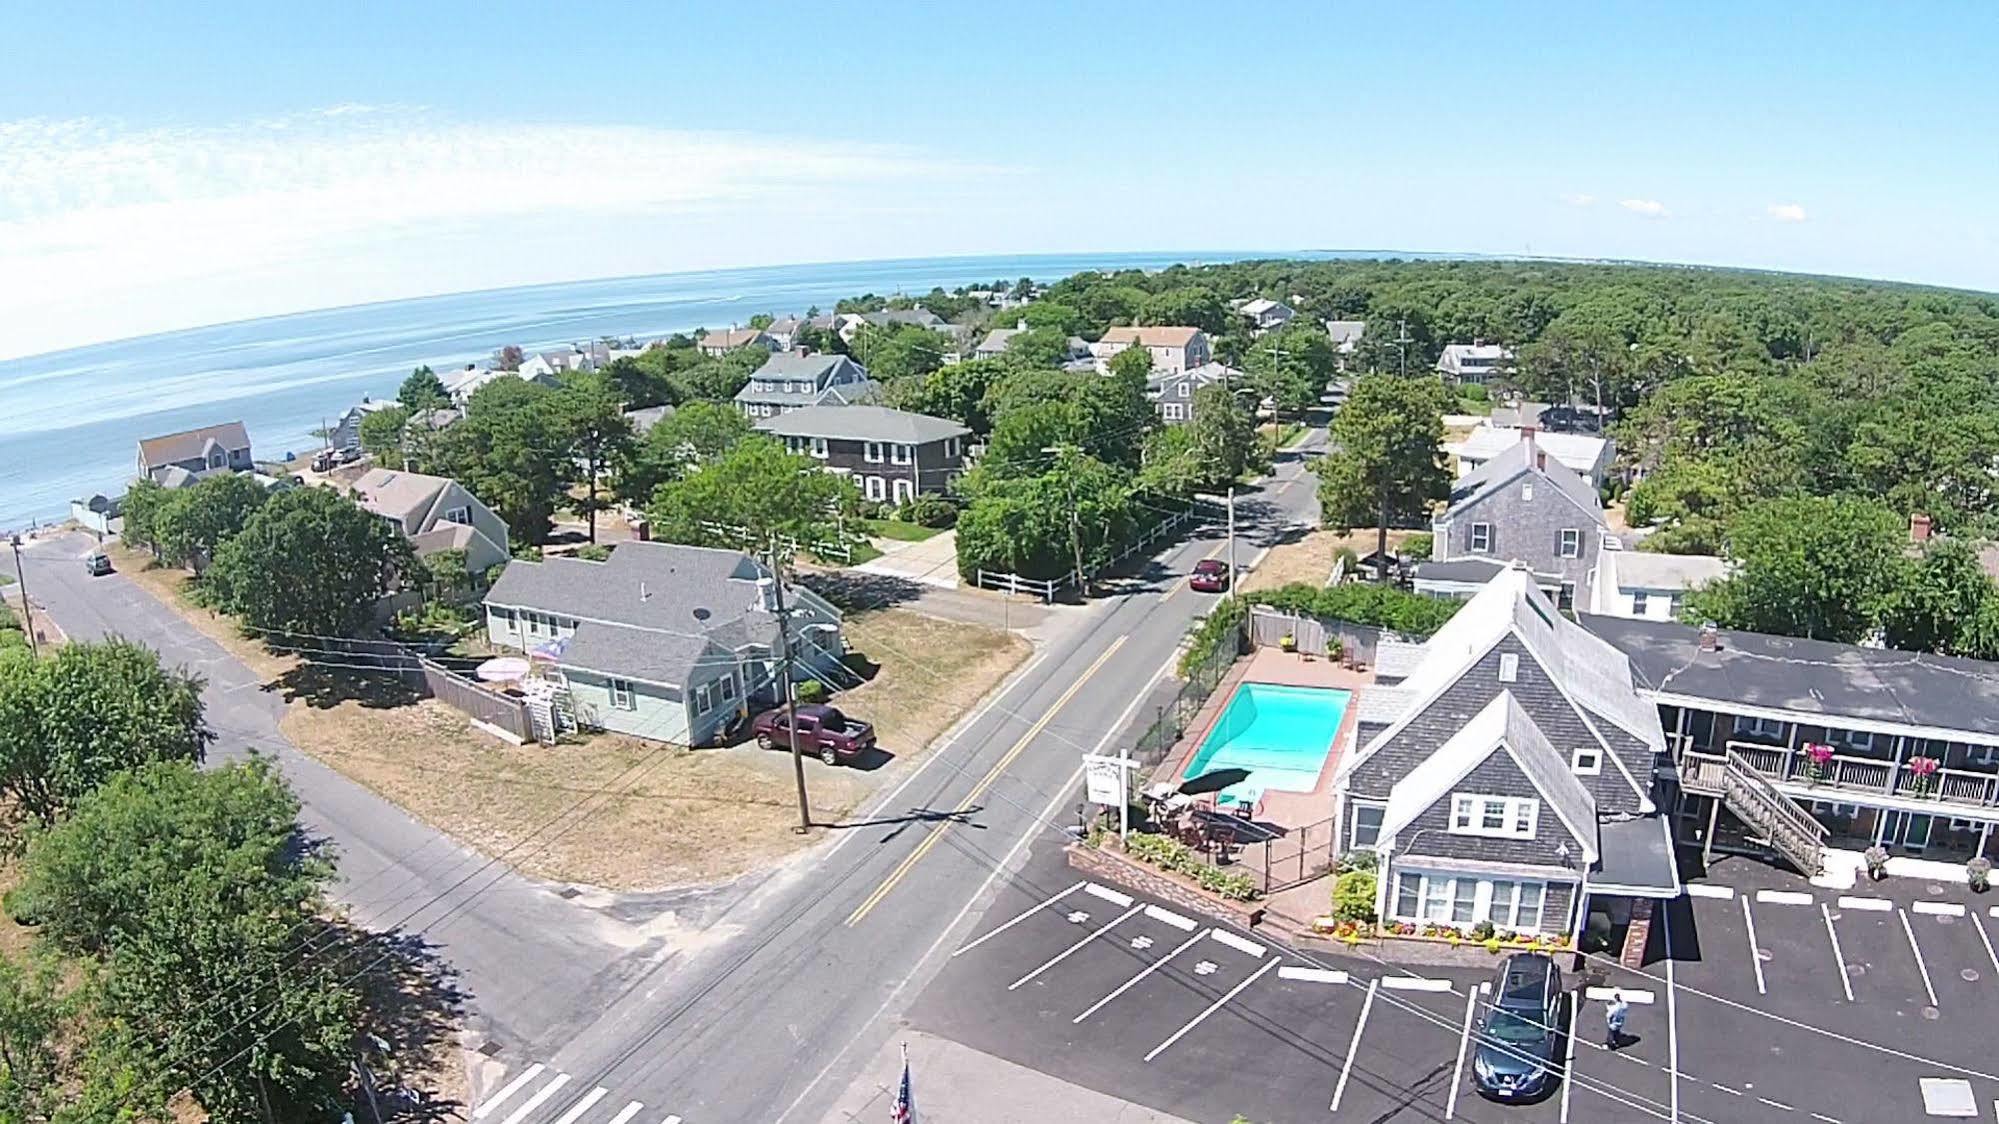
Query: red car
[(823, 732), (1210, 575)]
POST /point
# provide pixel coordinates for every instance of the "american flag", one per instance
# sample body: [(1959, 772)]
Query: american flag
[(904, 1111)]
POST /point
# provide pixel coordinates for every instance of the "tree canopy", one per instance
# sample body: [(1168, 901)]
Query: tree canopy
[(751, 495), (311, 562), (422, 390), (193, 522), (1384, 465), (1813, 566)]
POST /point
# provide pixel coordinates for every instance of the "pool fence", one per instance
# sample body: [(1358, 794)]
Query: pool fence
[(1268, 627)]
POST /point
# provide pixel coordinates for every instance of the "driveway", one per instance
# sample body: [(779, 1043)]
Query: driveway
[(532, 962), (932, 561)]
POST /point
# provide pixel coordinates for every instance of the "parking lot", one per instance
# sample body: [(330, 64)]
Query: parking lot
[(1197, 1018)]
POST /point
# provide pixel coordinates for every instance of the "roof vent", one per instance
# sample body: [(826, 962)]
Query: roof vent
[(703, 614), (1710, 637)]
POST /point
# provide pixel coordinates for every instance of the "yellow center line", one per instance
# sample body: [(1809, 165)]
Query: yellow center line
[(985, 782)]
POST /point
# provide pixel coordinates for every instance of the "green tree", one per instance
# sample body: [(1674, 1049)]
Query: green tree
[(1823, 567), (1385, 465), (185, 887), (1193, 307), (1073, 515), (512, 449), (958, 391), (195, 521), (642, 380), (33, 1017), (892, 352), (90, 710), (1291, 367), (382, 434), (1224, 435), (423, 390), (310, 562), (1134, 362), (1039, 347), (753, 494), (141, 510), (1945, 603), (600, 436)]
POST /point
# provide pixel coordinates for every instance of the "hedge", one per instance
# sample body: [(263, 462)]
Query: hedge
[(1363, 603)]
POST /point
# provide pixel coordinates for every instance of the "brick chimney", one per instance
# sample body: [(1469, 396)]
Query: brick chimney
[(1919, 527), (1710, 637)]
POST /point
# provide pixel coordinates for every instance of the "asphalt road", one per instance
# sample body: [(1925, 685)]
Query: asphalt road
[(752, 1002)]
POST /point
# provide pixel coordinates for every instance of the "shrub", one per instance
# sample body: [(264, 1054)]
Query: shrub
[(1217, 637), (1472, 392), (1360, 859), (1419, 546), (1364, 603), (810, 691), (929, 511), (593, 552), (1353, 895), (1482, 931), (1170, 854)]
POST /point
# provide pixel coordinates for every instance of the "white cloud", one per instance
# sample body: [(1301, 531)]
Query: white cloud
[(1578, 199), (109, 230), (1786, 212), (1649, 208)]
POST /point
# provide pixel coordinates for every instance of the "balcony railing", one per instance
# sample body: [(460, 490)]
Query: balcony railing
[(1700, 771)]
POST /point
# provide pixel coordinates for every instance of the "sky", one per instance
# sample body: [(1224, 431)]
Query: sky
[(164, 166)]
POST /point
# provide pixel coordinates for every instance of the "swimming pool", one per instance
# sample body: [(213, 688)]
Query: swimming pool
[(1280, 734)]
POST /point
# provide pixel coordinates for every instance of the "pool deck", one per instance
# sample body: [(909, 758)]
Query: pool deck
[(1283, 669)]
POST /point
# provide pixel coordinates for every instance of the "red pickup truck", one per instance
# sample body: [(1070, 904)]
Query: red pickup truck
[(823, 732)]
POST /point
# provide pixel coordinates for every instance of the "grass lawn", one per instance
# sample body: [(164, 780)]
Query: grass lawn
[(900, 531), (1310, 559), (607, 810), (1291, 431)]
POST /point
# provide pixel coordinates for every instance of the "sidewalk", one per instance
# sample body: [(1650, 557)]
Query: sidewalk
[(956, 1084)]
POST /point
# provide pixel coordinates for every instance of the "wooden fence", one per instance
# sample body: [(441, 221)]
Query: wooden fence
[(1268, 628), (503, 712), (414, 667)]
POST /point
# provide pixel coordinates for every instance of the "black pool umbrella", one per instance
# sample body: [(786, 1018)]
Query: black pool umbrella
[(1214, 780)]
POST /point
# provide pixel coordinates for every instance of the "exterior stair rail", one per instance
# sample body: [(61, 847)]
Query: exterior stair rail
[(1753, 799)]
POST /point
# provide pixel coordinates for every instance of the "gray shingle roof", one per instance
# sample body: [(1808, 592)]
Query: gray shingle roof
[(818, 366), (1515, 460), (680, 597), (1820, 679), (402, 496), (863, 423), (193, 443)]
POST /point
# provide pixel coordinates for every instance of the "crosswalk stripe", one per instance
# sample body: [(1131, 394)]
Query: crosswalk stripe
[(627, 1113), (582, 1106), (542, 1094), (512, 1087)]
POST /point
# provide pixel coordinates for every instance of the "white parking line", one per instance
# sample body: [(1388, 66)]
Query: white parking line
[(1783, 897), (1108, 894), (1414, 983), (1940, 909), (1755, 957), (1311, 975), (1184, 924), (541, 1094), (1070, 951), (1569, 1061), (1133, 982), (1780, 1105), (1464, 1044), (627, 1112), (674, 1119), (1353, 1047), (1870, 905), (1672, 1018), (512, 1087), (1707, 890), (1023, 915), (1845, 981), (1237, 943), (1212, 1008), (1986, 941), (582, 1106), (1631, 995), (1913, 947)]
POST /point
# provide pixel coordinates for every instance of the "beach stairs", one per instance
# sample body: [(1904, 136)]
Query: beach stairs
[(1772, 816)]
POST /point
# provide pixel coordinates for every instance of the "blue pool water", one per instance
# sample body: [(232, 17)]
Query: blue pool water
[(1280, 734)]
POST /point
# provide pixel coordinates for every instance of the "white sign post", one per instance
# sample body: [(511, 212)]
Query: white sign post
[(1108, 781)]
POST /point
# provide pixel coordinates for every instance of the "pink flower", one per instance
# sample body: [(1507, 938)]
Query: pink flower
[(1923, 766), (1818, 754)]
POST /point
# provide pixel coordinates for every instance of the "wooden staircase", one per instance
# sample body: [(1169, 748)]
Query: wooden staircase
[(1789, 829)]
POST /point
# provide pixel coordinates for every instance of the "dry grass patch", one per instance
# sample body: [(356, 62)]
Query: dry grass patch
[(1310, 559)]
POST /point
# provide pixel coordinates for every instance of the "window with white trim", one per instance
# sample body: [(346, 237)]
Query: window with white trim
[(877, 488), (1572, 543), (950, 446), (872, 453), (1981, 755), (1673, 605), (621, 695), (1758, 727), (901, 454), (458, 515), (1509, 667), (1638, 602), (704, 698), (1172, 411), (1586, 760), (1481, 538), (819, 447), (903, 489), (1497, 817), (1527, 490), (1366, 829), (1186, 389), (1464, 900)]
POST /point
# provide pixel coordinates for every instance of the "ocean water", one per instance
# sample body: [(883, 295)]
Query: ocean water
[(70, 420)]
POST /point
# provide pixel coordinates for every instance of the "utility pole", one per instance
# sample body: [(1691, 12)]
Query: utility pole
[(790, 694), (1402, 342), (1232, 571), (27, 613)]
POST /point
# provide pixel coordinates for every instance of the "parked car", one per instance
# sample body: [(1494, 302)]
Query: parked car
[(97, 565), (1518, 1037), (1211, 575), (348, 455), (822, 731), (323, 461)]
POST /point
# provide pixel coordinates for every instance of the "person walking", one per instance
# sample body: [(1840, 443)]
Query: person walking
[(1613, 1020)]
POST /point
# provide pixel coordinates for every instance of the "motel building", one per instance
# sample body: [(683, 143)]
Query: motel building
[(1790, 745)]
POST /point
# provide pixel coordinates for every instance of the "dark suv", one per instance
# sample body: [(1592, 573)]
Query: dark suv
[(1518, 1030)]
